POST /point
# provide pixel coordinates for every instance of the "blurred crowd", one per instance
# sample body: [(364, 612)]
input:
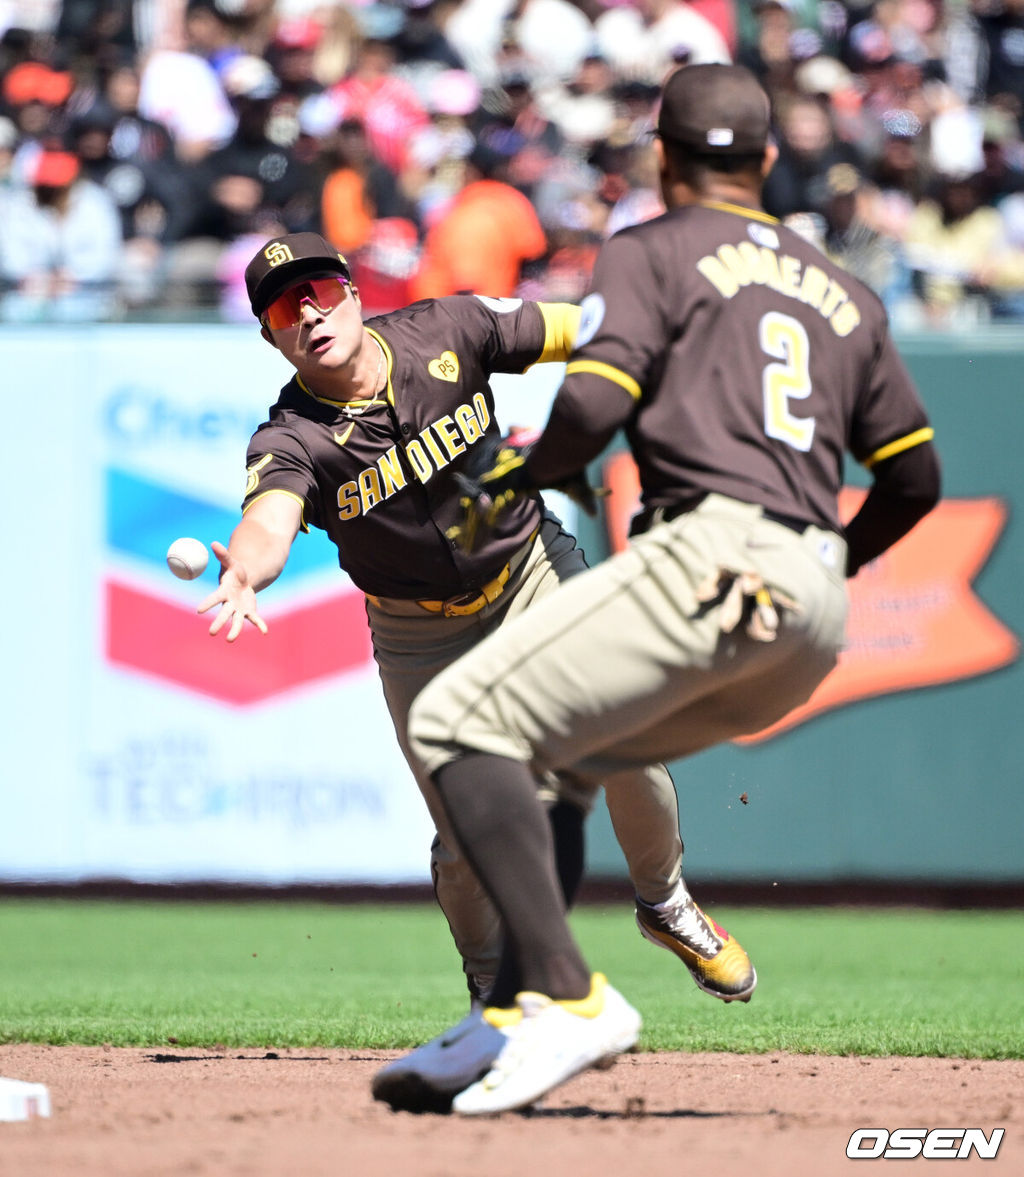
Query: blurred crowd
[(147, 147)]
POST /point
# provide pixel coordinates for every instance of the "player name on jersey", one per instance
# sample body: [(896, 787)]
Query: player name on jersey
[(732, 267)]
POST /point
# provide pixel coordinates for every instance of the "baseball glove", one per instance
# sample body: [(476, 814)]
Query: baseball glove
[(745, 597), (495, 474)]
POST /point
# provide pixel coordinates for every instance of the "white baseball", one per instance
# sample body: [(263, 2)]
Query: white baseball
[(187, 558)]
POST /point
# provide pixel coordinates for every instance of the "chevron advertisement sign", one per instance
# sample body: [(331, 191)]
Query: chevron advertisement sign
[(145, 748)]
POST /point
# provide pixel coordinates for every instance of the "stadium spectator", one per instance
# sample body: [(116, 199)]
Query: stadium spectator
[(386, 265), (767, 51), (583, 110), (181, 91), (482, 241), (436, 166), (90, 32), (854, 242), (513, 126), (134, 136), (387, 106), (808, 148), (959, 254), (550, 37), (421, 42), (213, 31), (901, 90), (35, 97), (248, 182), (1002, 33), (899, 173), (60, 245), (651, 37), (292, 56), (357, 190)]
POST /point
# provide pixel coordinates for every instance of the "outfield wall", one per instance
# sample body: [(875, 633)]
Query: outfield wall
[(136, 747)]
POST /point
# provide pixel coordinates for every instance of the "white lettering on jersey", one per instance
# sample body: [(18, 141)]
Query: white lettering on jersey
[(731, 267)]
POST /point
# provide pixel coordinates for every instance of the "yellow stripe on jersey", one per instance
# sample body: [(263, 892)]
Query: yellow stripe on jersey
[(615, 375), (279, 490), (755, 214), (898, 446), (561, 325)]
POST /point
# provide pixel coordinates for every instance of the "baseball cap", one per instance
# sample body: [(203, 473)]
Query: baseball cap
[(715, 110), (282, 260), (298, 32), (32, 81), (55, 169)]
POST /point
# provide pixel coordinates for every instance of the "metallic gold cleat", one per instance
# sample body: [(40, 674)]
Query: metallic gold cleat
[(716, 961)]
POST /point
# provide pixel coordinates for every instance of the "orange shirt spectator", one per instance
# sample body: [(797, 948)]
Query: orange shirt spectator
[(346, 209), (480, 243)]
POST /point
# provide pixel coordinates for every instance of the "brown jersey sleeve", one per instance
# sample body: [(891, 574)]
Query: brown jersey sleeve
[(509, 334), (890, 416), (618, 341), (278, 462)]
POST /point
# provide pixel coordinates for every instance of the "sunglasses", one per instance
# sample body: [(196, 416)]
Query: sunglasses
[(286, 310)]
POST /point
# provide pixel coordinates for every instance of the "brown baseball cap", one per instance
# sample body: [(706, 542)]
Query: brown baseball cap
[(715, 110), (283, 260)]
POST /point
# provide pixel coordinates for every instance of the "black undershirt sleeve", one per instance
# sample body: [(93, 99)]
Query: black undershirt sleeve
[(574, 434), (905, 489)]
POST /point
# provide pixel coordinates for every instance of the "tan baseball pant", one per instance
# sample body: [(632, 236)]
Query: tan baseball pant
[(623, 666), (412, 647)]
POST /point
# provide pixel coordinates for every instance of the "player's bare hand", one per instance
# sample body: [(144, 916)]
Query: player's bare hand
[(234, 594)]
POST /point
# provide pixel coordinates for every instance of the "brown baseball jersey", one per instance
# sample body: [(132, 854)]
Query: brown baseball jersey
[(739, 360), (380, 480)]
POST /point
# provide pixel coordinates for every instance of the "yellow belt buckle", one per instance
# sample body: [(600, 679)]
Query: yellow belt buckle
[(490, 592), (451, 609)]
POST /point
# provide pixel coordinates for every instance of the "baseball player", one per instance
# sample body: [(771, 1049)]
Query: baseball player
[(741, 364), (366, 441)]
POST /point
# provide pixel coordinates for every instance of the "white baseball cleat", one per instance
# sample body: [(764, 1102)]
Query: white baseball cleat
[(554, 1041)]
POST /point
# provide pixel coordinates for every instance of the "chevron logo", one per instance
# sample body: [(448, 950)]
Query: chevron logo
[(149, 634)]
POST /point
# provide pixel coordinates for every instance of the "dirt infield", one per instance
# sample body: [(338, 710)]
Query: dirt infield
[(308, 1113)]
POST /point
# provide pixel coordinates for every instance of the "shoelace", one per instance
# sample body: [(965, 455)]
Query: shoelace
[(687, 924)]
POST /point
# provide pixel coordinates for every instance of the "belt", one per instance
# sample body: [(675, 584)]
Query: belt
[(648, 519), (790, 521), (466, 604)]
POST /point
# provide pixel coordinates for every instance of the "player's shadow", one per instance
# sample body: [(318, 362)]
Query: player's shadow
[(634, 1112), (255, 1058)]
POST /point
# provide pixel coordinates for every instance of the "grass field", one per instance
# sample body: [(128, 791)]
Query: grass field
[(832, 980)]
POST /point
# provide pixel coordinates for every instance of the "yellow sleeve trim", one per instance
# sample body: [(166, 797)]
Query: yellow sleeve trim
[(897, 447), (608, 372), (279, 490), (561, 325)]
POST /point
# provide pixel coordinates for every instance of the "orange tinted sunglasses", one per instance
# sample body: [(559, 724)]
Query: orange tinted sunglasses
[(286, 310)]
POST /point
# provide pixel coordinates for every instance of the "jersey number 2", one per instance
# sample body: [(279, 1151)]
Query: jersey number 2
[(785, 340)]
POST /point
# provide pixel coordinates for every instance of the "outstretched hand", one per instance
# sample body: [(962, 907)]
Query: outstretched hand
[(234, 594)]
